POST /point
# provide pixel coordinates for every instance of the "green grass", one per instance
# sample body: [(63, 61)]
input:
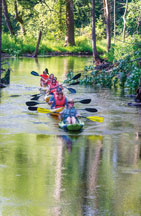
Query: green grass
[(26, 45), (20, 45)]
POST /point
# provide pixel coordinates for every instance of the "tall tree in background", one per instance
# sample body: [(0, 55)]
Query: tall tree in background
[(124, 19), (5, 11), (0, 35), (95, 53), (38, 43), (114, 20), (69, 39), (19, 17), (107, 18)]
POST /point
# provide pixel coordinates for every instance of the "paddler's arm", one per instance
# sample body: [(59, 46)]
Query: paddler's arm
[(66, 102), (52, 102)]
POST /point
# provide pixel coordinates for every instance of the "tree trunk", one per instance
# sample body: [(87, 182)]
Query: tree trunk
[(19, 19), (38, 43), (5, 11), (0, 36), (95, 54), (69, 40), (114, 20), (108, 31), (124, 20)]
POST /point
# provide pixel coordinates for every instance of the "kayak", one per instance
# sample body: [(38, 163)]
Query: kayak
[(134, 104), (71, 127), (43, 90)]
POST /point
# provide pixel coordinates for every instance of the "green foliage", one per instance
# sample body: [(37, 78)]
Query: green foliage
[(100, 29), (125, 74), (133, 17)]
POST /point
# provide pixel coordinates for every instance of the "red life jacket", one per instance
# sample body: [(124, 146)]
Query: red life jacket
[(53, 87), (59, 103), (44, 77)]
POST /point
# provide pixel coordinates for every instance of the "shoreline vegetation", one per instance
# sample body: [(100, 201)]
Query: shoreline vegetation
[(120, 67), (110, 34)]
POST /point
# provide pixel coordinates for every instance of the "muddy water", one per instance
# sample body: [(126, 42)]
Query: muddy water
[(46, 171)]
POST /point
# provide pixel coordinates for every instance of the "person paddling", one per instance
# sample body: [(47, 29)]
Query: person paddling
[(58, 99), (69, 114), (44, 78), (51, 77)]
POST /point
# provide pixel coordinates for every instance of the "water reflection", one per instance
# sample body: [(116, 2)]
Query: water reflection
[(46, 171), (69, 175), (67, 140)]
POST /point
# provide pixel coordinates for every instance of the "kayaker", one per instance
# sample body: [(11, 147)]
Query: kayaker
[(58, 99), (69, 114), (44, 78), (51, 77), (52, 87)]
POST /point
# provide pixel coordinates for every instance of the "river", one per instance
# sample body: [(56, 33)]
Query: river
[(46, 171)]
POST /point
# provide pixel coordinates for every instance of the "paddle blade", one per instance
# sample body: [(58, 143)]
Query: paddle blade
[(32, 108), (36, 97), (34, 73), (85, 101), (31, 103), (73, 91), (91, 109), (95, 118), (76, 83), (76, 76)]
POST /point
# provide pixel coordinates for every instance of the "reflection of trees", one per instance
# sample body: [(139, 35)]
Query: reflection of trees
[(93, 158), (68, 64), (58, 177)]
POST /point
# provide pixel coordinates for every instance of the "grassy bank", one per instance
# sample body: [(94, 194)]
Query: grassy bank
[(17, 46), (125, 72)]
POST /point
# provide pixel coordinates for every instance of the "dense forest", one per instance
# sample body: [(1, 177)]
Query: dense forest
[(107, 29)]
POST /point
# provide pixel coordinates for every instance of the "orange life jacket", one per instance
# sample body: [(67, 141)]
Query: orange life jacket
[(59, 103)]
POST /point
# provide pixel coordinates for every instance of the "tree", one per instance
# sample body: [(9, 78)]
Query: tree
[(69, 40), (107, 18), (0, 35), (5, 11), (114, 20), (38, 43), (19, 17), (95, 53), (124, 20)]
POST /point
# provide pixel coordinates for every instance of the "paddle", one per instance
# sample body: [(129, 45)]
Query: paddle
[(76, 83), (89, 109), (33, 103), (44, 110), (75, 77), (73, 91), (36, 97), (84, 101), (34, 73), (94, 118)]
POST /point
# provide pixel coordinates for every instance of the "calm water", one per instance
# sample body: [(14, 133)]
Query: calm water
[(46, 171)]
